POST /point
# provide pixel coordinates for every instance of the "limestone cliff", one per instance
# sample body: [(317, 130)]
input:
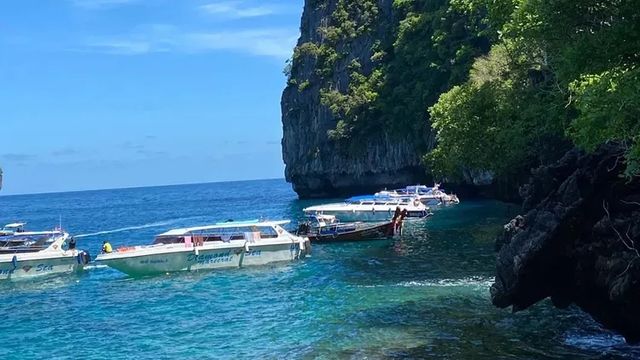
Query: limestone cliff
[(578, 242), (315, 164)]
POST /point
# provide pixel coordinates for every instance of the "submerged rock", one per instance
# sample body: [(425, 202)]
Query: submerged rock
[(578, 242)]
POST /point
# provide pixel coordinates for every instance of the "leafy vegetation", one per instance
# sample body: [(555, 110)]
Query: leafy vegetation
[(505, 85), (425, 49), (561, 71)]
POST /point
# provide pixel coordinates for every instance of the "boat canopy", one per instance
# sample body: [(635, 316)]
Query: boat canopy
[(379, 199), (321, 217), (225, 225), (15, 225), (232, 230)]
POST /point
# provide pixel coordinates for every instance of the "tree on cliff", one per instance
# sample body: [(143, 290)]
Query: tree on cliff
[(426, 47), (562, 71)]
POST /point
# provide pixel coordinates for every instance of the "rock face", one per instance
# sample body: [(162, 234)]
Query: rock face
[(577, 243), (315, 165)]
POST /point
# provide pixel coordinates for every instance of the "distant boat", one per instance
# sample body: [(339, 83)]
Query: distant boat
[(224, 245), (31, 254), (430, 196), (370, 208), (12, 228), (327, 228)]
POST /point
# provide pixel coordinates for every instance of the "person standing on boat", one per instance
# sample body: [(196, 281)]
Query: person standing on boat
[(396, 220), (106, 247), (72, 243)]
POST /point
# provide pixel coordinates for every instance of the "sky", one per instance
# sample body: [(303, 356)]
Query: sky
[(99, 94)]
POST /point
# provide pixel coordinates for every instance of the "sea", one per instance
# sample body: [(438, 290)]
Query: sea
[(423, 295)]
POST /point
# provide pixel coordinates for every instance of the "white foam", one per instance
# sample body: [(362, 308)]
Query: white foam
[(92, 267), (472, 281), (135, 227), (475, 281), (595, 341)]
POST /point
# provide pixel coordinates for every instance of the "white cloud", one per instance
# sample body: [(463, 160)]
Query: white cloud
[(100, 4), (265, 42), (122, 46), (239, 9), (270, 42)]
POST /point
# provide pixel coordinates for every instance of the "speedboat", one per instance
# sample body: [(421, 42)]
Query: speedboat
[(223, 245), (32, 254), (430, 196), (371, 208), (12, 228), (327, 228)]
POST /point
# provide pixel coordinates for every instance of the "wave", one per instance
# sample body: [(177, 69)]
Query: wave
[(595, 341), (472, 281), (135, 227), (97, 266)]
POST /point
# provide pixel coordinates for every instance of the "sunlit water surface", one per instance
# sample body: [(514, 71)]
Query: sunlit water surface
[(425, 295)]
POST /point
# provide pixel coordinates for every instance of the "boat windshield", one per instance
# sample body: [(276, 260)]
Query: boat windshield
[(26, 243), (224, 234)]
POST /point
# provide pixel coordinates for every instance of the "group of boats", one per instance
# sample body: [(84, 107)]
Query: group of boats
[(230, 244)]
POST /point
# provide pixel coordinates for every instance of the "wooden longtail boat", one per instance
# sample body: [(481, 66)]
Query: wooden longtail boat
[(326, 228)]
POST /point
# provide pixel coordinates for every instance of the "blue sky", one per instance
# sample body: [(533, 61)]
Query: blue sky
[(117, 93)]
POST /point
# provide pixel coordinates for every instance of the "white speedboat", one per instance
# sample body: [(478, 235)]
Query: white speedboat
[(427, 195), (219, 246), (370, 208), (32, 254), (12, 228)]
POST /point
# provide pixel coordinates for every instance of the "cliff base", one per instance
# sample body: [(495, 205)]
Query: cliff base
[(577, 242)]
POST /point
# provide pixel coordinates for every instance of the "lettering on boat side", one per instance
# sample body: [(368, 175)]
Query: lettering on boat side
[(253, 253), (210, 258), (154, 261), (44, 268), (39, 268)]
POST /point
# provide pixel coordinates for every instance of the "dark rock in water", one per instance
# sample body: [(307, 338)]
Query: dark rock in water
[(578, 242)]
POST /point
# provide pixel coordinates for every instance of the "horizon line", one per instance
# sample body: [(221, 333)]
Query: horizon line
[(138, 187)]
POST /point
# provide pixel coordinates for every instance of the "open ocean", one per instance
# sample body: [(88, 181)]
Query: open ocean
[(425, 295)]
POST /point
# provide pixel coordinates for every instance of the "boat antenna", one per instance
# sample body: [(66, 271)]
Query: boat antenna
[(60, 221)]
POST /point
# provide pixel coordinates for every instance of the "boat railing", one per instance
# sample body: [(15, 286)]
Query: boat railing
[(224, 235)]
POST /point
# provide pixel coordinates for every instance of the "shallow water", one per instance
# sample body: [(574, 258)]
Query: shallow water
[(424, 295)]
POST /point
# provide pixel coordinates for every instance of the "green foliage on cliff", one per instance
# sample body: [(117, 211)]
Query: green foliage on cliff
[(397, 65), (506, 85), (560, 71)]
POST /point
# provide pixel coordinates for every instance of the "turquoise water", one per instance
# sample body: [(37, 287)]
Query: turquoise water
[(425, 295)]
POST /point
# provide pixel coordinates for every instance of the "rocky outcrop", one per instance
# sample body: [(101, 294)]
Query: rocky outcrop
[(316, 165), (578, 242)]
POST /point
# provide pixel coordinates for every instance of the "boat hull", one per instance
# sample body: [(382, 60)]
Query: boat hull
[(185, 260), (203, 258), (25, 268), (381, 231), (353, 216), (262, 254)]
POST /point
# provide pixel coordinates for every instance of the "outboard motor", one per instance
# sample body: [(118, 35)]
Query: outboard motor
[(303, 229), (83, 257)]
